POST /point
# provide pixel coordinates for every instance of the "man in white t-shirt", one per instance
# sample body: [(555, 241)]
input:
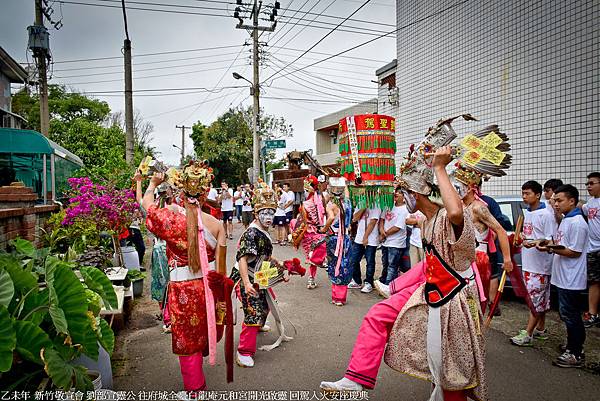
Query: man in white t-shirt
[(415, 220), (569, 271), (226, 199), (365, 244), (212, 193), (288, 207), (238, 202), (538, 224), (247, 210), (394, 247), (592, 210)]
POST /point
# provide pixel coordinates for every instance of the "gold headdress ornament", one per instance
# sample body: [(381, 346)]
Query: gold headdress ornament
[(195, 178), (482, 154), (264, 197)]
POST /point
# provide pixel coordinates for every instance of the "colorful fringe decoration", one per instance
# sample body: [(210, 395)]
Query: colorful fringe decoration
[(374, 154)]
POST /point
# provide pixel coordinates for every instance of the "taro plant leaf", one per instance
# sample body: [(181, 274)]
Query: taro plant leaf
[(22, 279), (72, 300), (8, 340), (30, 340), (7, 289), (33, 308), (24, 247), (63, 374), (63, 345), (107, 338), (100, 284)]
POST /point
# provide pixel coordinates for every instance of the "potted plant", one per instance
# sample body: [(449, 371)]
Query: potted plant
[(136, 278), (48, 317)]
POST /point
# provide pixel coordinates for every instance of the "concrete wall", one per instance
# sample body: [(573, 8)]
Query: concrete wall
[(529, 66), (4, 92)]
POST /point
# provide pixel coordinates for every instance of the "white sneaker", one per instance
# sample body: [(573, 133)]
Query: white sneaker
[(367, 288), (311, 283), (353, 285), (265, 329), (244, 361), (382, 289), (341, 385)]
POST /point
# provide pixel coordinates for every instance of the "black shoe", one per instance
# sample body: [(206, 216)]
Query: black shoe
[(591, 321), (568, 360), (563, 348)]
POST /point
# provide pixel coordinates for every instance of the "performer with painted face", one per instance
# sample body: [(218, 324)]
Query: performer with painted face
[(197, 295), (254, 251), (431, 327), (337, 227), (307, 231)]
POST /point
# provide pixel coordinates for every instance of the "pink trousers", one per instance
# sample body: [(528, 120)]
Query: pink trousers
[(375, 330), (313, 271), (247, 345), (192, 373), (338, 293), (376, 327)]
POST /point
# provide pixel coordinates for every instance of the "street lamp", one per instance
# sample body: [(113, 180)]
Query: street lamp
[(182, 154), (255, 93)]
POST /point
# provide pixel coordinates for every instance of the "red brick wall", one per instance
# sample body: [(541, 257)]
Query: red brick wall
[(20, 217)]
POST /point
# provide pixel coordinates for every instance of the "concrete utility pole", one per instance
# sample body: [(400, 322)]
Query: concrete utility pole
[(129, 139), (255, 28), (183, 128), (41, 56)]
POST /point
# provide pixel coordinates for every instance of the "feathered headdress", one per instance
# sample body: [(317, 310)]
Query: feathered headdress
[(483, 155)]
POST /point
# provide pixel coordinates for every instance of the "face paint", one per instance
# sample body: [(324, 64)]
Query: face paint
[(410, 201), (265, 217), (460, 188)]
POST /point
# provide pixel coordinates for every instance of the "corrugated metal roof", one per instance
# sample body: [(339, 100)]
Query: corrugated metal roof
[(32, 142)]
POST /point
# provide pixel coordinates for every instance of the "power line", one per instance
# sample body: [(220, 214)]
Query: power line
[(316, 100), (379, 37), (320, 40), (148, 54)]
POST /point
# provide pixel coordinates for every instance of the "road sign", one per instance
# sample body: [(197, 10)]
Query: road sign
[(275, 144)]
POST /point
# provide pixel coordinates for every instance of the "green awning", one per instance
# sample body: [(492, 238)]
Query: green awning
[(32, 142)]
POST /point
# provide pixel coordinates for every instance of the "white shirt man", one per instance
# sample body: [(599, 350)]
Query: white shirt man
[(365, 244)]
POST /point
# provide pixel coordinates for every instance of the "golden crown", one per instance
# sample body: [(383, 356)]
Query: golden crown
[(264, 197), (194, 179)]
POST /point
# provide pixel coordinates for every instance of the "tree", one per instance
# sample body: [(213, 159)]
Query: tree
[(84, 126), (227, 142)]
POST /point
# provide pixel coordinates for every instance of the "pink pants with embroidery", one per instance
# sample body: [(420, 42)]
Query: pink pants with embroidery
[(192, 373), (247, 345), (375, 330), (339, 293)]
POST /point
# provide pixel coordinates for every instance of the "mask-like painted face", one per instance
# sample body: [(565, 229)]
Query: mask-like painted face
[(460, 188), (410, 201), (308, 188), (265, 217)]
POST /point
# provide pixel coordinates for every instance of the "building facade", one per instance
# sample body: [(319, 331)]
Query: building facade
[(529, 66), (10, 72)]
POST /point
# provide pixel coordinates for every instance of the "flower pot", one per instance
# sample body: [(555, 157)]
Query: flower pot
[(96, 378), (138, 287), (130, 258), (102, 365)]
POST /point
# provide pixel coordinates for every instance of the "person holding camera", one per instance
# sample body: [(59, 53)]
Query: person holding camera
[(247, 210), (225, 197)]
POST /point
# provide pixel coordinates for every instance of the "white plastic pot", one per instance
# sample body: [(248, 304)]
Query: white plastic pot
[(130, 258)]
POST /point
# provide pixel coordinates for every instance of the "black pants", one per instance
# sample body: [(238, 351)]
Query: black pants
[(568, 307)]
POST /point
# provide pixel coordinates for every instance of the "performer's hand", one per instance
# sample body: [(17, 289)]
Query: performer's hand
[(442, 157), (157, 178), (507, 265), (250, 290), (138, 176), (365, 241), (528, 244)]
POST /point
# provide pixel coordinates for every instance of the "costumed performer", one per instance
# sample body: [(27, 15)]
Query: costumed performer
[(312, 219), (337, 226), (197, 295), (254, 249), (433, 324)]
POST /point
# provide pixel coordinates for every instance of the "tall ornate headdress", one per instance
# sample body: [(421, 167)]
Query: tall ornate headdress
[(194, 179), (264, 197), (482, 154)]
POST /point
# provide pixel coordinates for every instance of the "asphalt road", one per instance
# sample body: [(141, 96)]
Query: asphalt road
[(323, 342)]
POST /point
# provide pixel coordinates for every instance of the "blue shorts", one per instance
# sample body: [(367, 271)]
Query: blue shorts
[(289, 216), (280, 221)]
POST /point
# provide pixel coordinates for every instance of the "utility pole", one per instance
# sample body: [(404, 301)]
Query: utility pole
[(129, 139), (183, 127), (40, 50), (255, 28)]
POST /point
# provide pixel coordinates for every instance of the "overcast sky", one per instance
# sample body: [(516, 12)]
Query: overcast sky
[(91, 32)]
